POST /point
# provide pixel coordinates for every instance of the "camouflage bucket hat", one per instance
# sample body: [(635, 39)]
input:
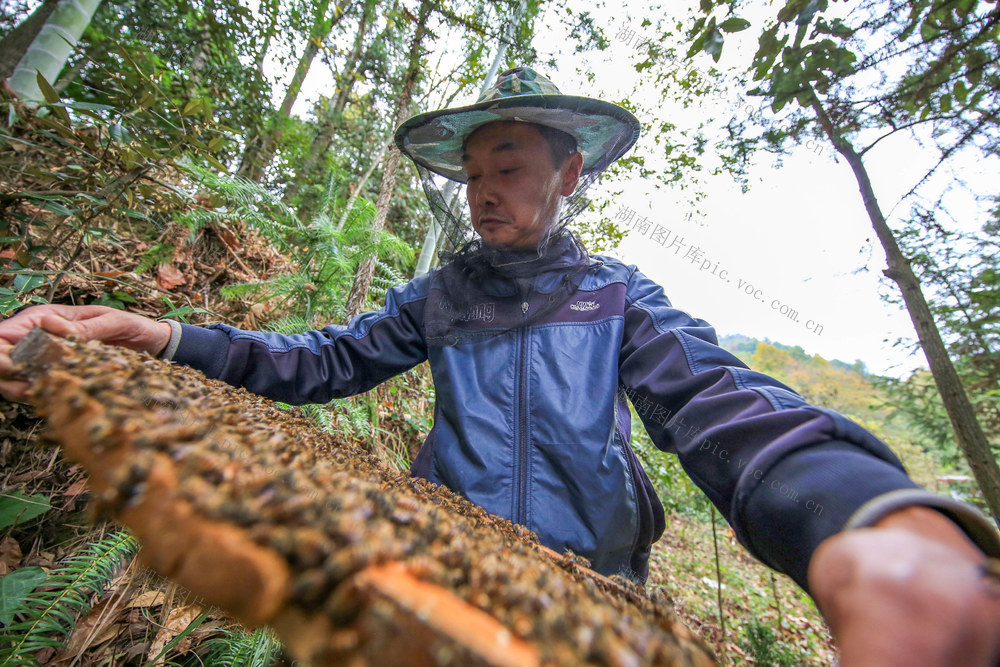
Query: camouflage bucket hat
[(603, 131)]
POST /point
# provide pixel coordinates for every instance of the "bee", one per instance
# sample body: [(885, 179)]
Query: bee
[(310, 588)]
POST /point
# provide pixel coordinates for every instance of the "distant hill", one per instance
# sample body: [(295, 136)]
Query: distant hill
[(846, 388), (744, 347)]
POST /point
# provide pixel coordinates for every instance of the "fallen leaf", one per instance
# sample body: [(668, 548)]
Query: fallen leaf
[(97, 627), (76, 488), (43, 655), (228, 238), (10, 553), (177, 620), (147, 599), (169, 276), (29, 476)]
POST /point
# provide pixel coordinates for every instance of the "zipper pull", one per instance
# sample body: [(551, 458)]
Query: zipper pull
[(524, 307)]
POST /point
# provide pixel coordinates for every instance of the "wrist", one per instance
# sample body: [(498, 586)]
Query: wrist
[(979, 529), (931, 524), (162, 339)]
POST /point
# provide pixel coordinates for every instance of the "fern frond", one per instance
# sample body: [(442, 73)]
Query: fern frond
[(158, 255), (292, 324), (51, 614), (239, 290), (246, 201), (321, 415), (243, 649), (361, 215)]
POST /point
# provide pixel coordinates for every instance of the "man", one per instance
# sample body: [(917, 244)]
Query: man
[(533, 344)]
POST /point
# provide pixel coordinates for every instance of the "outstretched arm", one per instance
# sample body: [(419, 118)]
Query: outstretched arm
[(789, 477), (315, 366)]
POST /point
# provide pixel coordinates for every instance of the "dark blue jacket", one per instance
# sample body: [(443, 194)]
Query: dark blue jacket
[(533, 424)]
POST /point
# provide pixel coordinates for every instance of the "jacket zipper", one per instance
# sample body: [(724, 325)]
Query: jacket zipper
[(522, 419)]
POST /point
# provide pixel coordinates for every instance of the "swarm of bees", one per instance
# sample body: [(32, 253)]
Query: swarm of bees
[(268, 516)]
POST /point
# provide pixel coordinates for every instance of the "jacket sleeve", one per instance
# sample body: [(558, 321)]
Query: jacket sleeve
[(785, 474), (315, 366)]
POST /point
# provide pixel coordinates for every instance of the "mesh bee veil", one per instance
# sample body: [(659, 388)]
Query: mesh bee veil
[(483, 290)]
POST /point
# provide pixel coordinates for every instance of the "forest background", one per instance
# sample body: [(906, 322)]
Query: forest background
[(214, 161)]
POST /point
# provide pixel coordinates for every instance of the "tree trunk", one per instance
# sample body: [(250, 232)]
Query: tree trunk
[(330, 118), (968, 431), (321, 143), (360, 186), (258, 155), (52, 47), (15, 43), (363, 276)]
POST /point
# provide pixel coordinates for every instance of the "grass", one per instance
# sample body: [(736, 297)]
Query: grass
[(768, 619)]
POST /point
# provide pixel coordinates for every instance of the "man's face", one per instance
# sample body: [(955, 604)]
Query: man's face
[(513, 186)]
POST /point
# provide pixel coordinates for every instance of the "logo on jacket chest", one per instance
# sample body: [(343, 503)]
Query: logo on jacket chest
[(584, 306), (480, 311)]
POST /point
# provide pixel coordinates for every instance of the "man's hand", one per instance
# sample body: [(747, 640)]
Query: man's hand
[(908, 591), (86, 322)]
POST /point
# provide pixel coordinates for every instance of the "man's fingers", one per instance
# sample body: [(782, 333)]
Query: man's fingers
[(60, 326), (13, 390), (6, 365)]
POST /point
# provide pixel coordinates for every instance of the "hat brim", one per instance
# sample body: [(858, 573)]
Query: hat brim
[(603, 131)]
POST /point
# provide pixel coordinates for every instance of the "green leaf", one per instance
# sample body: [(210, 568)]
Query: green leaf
[(25, 282), (196, 142), (697, 45), (734, 24), (961, 92), (87, 106), (120, 133), (124, 297), (946, 103), (215, 163), (110, 301), (14, 589), (185, 310), (191, 107), (807, 14), (48, 92), (18, 507), (59, 208), (713, 44), (135, 214)]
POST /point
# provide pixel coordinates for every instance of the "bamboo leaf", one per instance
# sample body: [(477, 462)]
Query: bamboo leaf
[(17, 507), (52, 97), (14, 589), (734, 24)]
